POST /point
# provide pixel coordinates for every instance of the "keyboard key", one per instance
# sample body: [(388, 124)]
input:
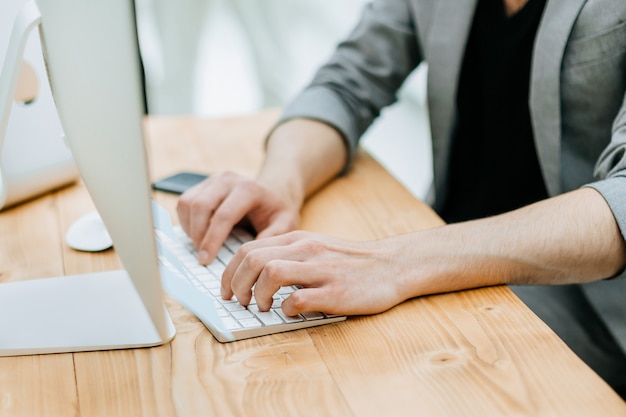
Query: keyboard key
[(242, 235), (224, 255), (221, 311), (230, 323), (212, 285), (207, 281), (242, 314), (268, 318), (288, 319), (217, 268), (312, 315), (232, 243), (234, 306), (286, 291), (250, 323)]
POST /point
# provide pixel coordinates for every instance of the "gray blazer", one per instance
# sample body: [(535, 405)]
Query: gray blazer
[(577, 93)]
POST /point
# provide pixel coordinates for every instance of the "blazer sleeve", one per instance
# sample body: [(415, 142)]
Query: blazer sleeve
[(364, 73), (611, 170)]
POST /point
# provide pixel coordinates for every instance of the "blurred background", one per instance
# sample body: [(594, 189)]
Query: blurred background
[(221, 58)]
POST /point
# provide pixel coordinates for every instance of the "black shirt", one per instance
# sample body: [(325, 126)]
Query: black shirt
[(493, 164)]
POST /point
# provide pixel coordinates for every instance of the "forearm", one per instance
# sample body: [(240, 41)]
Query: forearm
[(572, 238), (302, 155)]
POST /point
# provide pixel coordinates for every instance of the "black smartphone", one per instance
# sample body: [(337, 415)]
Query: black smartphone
[(179, 182)]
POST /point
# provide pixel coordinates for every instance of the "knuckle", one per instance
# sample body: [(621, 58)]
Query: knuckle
[(228, 175), (196, 204), (298, 234), (297, 301), (238, 287), (295, 236), (274, 270), (311, 246), (247, 184), (252, 258), (245, 249), (183, 199), (183, 202), (220, 216), (249, 188)]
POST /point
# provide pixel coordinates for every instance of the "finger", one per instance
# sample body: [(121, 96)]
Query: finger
[(282, 273), (196, 204), (227, 215), (183, 207), (260, 243), (309, 299), (248, 262), (234, 265), (202, 212), (279, 226), (241, 273), (276, 274), (318, 293), (244, 269)]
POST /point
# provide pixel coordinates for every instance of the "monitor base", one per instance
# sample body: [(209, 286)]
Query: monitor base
[(97, 311)]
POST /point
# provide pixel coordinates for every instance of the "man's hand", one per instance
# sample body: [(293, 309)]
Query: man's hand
[(571, 238), (338, 276), (301, 156), (209, 210)]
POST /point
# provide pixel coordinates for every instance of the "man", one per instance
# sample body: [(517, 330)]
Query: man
[(528, 123)]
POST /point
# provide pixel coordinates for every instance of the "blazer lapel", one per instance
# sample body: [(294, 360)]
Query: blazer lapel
[(545, 92), (452, 21)]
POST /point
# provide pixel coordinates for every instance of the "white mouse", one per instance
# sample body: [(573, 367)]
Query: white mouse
[(88, 234)]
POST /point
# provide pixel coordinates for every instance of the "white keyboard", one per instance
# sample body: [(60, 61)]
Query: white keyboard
[(197, 287)]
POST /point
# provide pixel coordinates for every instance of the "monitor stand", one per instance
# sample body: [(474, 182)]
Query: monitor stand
[(74, 313)]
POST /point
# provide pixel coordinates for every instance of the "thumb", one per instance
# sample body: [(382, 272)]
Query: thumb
[(278, 227)]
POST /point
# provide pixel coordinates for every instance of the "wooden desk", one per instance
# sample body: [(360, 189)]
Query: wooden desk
[(474, 353)]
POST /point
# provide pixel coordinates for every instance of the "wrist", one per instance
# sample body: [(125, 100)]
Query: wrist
[(450, 258), (302, 155), (284, 185)]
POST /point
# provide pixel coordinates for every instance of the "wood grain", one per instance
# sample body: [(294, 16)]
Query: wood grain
[(471, 353)]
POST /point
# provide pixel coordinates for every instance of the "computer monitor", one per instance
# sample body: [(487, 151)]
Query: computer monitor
[(94, 66)]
